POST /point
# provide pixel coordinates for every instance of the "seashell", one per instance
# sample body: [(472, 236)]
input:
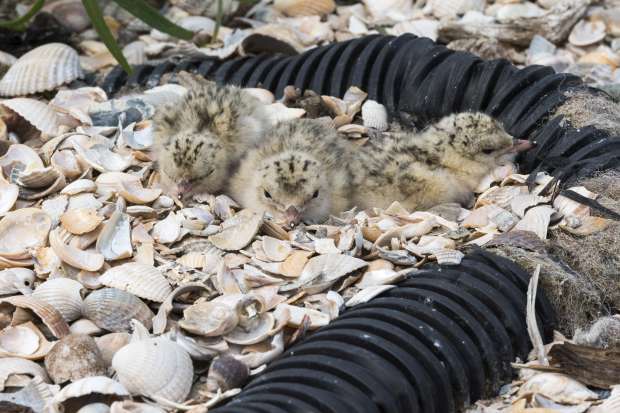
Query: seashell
[(448, 257), (375, 115), (23, 230), (14, 365), (129, 406), (379, 277), (64, 294), (588, 226), (325, 246), (16, 280), (536, 220), (329, 268), (611, 404), (264, 95), (294, 8), (296, 316), (193, 260), (168, 230), (113, 309), (209, 319), (6, 59), (66, 163), (557, 387), (31, 194), (35, 112), (91, 385), (36, 396), (238, 231), (55, 207), (259, 329), (140, 135), (277, 112), (45, 261), (420, 27), (135, 53), (21, 154), (521, 203), (48, 314), (95, 408), (110, 343), (84, 200), (24, 341), (144, 281), (155, 367), (586, 33), (102, 159), (567, 206), (368, 293), (79, 186), (43, 68), (80, 220), (197, 24), (453, 8), (500, 196), (161, 319), (126, 185), (8, 195), (74, 357), (275, 249), (226, 373), (353, 130), (84, 260), (70, 13), (114, 241), (85, 326)]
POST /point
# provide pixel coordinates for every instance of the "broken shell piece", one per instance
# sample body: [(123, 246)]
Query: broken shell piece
[(325, 246), (23, 230), (277, 113), (264, 95), (126, 185), (329, 268), (91, 385), (225, 373), (374, 115), (67, 163), (8, 195), (113, 309), (43, 68), (367, 294), (64, 294), (259, 329), (294, 8), (36, 396), (80, 220), (48, 314), (74, 357), (114, 241), (79, 186), (128, 406), (102, 159), (536, 220), (85, 326), (23, 154), (586, 33), (10, 366), (24, 341), (35, 112), (558, 387), (168, 230), (297, 315), (142, 280), (448, 257), (139, 136), (110, 343), (155, 367), (193, 260), (16, 280), (380, 277), (209, 319), (37, 178), (521, 203), (32, 194), (238, 231), (428, 244), (276, 250), (84, 260), (567, 206), (588, 226)]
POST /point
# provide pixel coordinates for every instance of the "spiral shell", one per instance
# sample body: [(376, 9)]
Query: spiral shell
[(64, 294), (142, 280), (156, 368), (41, 69), (113, 309)]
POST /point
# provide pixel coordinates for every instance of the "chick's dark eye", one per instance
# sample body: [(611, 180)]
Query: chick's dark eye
[(487, 151), (267, 194), (315, 194)]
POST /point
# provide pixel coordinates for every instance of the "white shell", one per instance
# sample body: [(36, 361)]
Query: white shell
[(41, 69), (295, 316), (16, 280), (113, 309), (67, 163), (587, 33), (375, 115), (24, 341), (44, 311), (129, 406), (449, 257), (80, 220), (142, 280), (367, 294), (558, 387), (8, 195), (168, 230), (208, 319), (15, 365), (85, 326), (102, 159), (95, 408), (237, 231), (536, 220), (329, 267), (37, 113), (64, 294), (259, 330), (275, 249), (126, 185), (453, 8), (114, 241), (135, 52), (23, 154), (84, 260), (79, 186), (156, 368), (294, 8), (23, 230), (89, 385)]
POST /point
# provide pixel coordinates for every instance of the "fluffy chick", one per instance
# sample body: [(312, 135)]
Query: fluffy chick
[(199, 140), (443, 163), (298, 173)]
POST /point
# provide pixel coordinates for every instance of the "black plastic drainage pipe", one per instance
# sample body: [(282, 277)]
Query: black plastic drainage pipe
[(440, 340)]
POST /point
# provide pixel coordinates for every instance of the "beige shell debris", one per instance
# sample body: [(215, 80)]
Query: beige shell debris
[(24, 341), (36, 396), (64, 294), (367, 294), (48, 314), (238, 231), (304, 7), (110, 343), (126, 185), (129, 406), (155, 367), (558, 387), (586, 33), (10, 366), (209, 319), (8, 195), (22, 154), (144, 281), (168, 230), (79, 186), (85, 326), (16, 280), (84, 260), (114, 241), (91, 385), (23, 230), (448, 256), (258, 329), (536, 220), (276, 250), (74, 357), (67, 163), (43, 68), (296, 315), (329, 267), (81, 220), (112, 309)]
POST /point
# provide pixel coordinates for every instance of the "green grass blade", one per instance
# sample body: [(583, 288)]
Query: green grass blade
[(96, 17), (151, 16), (20, 22)]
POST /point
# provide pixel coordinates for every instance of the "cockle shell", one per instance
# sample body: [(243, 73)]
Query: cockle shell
[(84, 260), (155, 367), (15, 365), (74, 357), (209, 319), (374, 115), (35, 112), (91, 385), (113, 309), (23, 154), (48, 314), (142, 280), (238, 231), (294, 8), (43, 68), (35, 181), (586, 33), (126, 185), (85, 326), (81, 220), (79, 186), (110, 343), (102, 159), (23, 230), (64, 294), (14, 280)]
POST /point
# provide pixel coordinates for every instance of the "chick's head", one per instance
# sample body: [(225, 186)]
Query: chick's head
[(293, 185)]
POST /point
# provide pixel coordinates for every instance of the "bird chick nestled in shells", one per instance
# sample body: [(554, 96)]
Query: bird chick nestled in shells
[(443, 163), (298, 173), (199, 140)]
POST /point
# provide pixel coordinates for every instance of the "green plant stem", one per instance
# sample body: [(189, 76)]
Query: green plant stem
[(218, 20), (20, 22), (143, 11)]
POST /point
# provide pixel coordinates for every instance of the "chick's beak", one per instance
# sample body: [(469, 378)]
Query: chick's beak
[(184, 186), (521, 145), (292, 215)]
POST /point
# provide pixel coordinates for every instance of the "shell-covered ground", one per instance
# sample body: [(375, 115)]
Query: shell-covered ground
[(116, 296)]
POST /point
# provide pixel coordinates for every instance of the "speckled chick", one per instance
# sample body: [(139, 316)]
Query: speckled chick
[(443, 163), (200, 139), (297, 174)]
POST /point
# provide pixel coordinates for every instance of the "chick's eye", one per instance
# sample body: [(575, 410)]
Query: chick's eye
[(267, 194), (315, 194), (487, 151)]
